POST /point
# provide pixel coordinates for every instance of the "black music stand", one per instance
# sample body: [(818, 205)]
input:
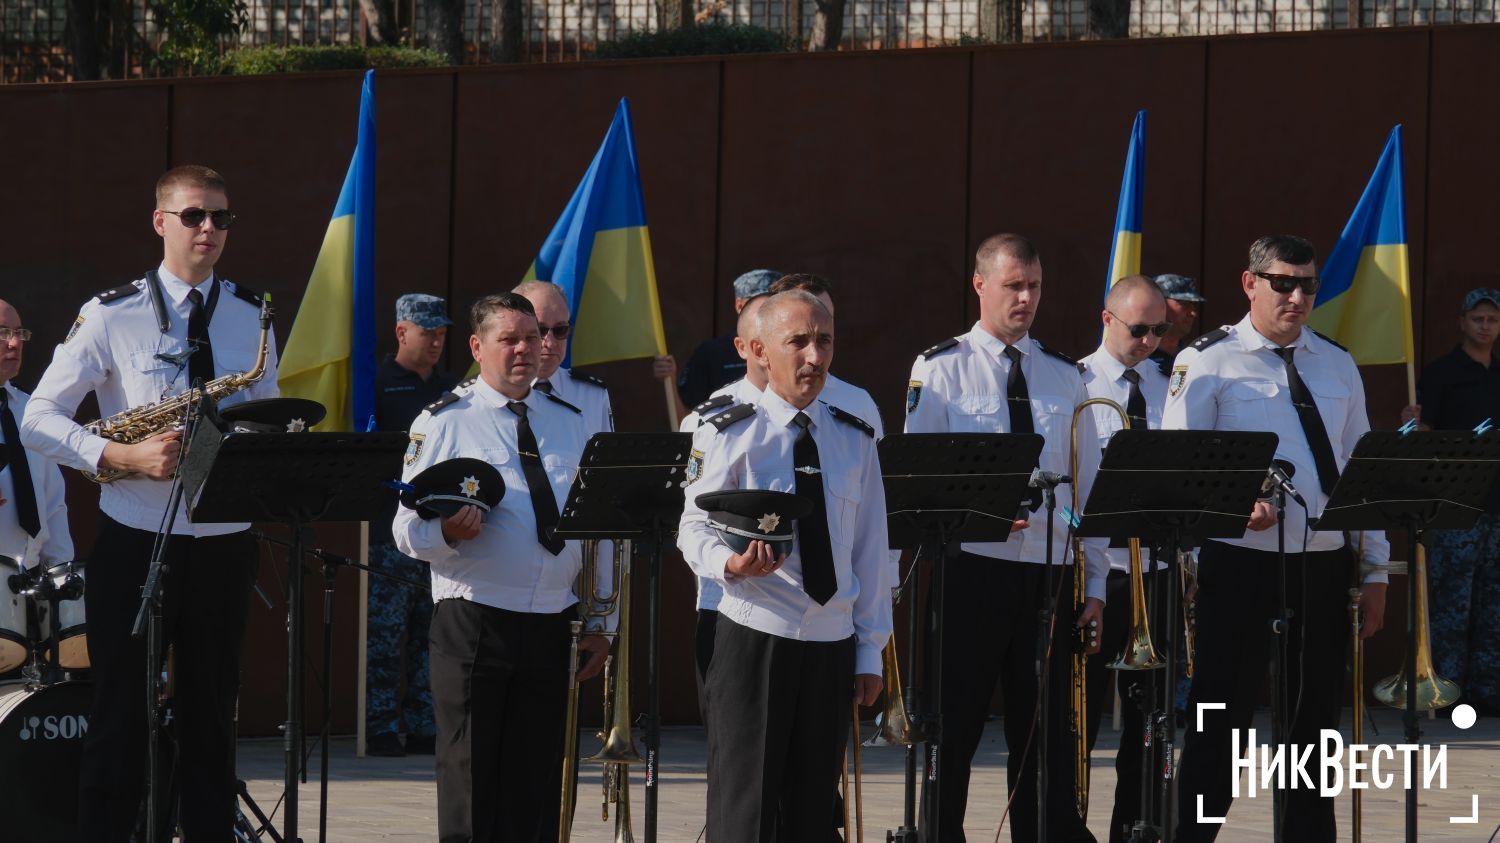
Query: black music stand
[(942, 489), (1172, 489), (631, 486), (296, 479), (1416, 481)]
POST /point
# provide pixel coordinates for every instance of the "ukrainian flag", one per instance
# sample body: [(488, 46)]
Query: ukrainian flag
[(599, 252), (1365, 300), (330, 355), (1125, 249)]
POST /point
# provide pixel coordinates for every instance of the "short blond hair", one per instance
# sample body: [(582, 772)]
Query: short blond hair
[(189, 175)]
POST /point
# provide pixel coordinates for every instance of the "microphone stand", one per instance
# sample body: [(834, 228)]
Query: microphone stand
[(1047, 483), (1278, 629), (148, 619)]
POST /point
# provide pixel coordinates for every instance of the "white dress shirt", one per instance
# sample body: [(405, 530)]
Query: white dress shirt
[(852, 399), (587, 394), (52, 543), (1104, 377), (962, 389), (756, 453), (741, 391), (504, 566), (1239, 383), (116, 351)]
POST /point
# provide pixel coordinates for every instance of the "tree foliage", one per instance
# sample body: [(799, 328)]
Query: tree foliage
[(193, 30)]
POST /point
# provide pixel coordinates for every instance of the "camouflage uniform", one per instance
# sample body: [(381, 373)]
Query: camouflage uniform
[(1463, 578), (397, 608)]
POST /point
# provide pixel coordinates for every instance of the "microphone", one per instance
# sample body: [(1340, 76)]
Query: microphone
[(1047, 479), (1279, 475)]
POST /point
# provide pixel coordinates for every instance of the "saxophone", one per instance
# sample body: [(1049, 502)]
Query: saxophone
[(141, 423)]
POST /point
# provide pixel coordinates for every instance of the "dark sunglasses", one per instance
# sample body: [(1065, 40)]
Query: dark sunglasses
[(1160, 329), (1285, 284), (193, 217), (559, 330)]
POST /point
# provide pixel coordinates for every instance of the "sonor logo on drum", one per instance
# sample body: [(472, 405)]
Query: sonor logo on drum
[(68, 727)]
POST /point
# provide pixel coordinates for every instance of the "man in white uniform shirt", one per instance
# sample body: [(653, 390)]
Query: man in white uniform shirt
[(134, 345), (33, 506), (503, 584), (583, 391), (1123, 371), (998, 379), (799, 635), (1269, 372)]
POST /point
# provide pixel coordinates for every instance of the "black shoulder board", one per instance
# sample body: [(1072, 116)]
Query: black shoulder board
[(243, 293), (587, 378), (940, 347), (1055, 353), (737, 413), (713, 403), (1164, 364), (1211, 337), (448, 398), (852, 420), (553, 397), (117, 293), (1331, 341)]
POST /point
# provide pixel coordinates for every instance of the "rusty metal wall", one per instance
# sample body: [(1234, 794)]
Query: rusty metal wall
[(882, 170)]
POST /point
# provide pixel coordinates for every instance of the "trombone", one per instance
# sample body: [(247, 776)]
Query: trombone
[(1138, 654), (618, 751)]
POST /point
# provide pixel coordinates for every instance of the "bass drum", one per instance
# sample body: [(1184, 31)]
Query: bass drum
[(14, 646), (69, 627), (41, 745)]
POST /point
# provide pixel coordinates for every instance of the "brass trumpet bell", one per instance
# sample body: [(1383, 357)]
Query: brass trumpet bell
[(1433, 691), (1139, 653), (896, 726)]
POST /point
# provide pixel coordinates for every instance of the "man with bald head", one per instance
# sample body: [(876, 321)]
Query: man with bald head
[(33, 509), (799, 635), (586, 392), (1122, 370)]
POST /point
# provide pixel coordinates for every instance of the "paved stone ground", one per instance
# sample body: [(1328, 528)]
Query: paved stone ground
[(395, 798)]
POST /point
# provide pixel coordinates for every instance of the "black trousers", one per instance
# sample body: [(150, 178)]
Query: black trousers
[(1237, 595), (1136, 688), (499, 688), (990, 634), (776, 739), (206, 589), (703, 654)]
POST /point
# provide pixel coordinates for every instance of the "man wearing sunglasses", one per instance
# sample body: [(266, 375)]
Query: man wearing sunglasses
[(1268, 372), (131, 346), (585, 392), (406, 381), (1121, 370)]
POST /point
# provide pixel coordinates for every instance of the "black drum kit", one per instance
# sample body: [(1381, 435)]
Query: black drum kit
[(44, 697)]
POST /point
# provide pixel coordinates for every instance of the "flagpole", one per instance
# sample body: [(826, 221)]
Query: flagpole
[(670, 390)]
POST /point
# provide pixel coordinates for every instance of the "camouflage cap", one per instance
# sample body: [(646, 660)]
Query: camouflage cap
[(1178, 287), (1481, 294), (426, 311), (756, 282)]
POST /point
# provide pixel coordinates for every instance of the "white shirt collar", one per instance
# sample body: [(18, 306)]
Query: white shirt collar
[(996, 346), (781, 412), (497, 399), (1109, 367), (177, 289), (1254, 340)]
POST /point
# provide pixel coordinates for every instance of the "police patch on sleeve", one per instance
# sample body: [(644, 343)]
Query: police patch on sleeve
[(1179, 377), (913, 395), (414, 450), (695, 465), (77, 323)]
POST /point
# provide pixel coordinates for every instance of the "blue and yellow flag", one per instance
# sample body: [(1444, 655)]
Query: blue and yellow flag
[(1365, 300), (599, 252), (1125, 248), (330, 355)]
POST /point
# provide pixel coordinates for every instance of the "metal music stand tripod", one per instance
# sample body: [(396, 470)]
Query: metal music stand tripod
[(1172, 489), (942, 489), (1414, 481), (631, 486), (296, 479)]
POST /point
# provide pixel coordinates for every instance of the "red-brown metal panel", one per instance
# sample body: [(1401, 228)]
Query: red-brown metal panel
[(1295, 125), (1051, 131), (852, 166), (525, 137)]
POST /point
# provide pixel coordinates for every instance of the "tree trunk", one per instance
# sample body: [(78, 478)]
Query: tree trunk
[(84, 36), (1108, 19), (380, 17), (828, 26), (445, 28), (505, 31), (675, 13), (1000, 21)]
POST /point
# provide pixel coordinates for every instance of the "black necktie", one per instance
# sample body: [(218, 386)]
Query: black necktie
[(1312, 424), (20, 469), (544, 386), (818, 578), (1135, 405), (543, 504), (201, 363), (1016, 395)]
